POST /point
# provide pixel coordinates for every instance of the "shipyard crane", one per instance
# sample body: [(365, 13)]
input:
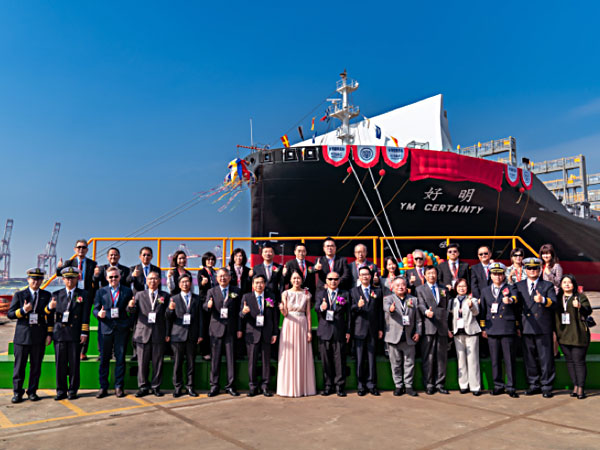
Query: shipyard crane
[(47, 260), (5, 251)]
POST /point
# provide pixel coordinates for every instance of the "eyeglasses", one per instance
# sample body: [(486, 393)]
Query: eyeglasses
[(146, 254), (484, 253), (532, 268), (114, 277), (517, 255), (452, 251), (81, 246), (332, 279), (418, 259)]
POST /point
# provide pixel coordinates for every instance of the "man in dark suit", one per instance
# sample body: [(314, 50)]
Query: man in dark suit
[(110, 308), (86, 267), (360, 253), (113, 256), (480, 273), (452, 269), (184, 331), (538, 303), (270, 270), (433, 305), (71, 330), (332, 263), (222, 308), (500, 316), (148, 310), (138, 273), (29, 307), (367, 329), (333, 312), (257, 319), (300, 264), (416, 276)]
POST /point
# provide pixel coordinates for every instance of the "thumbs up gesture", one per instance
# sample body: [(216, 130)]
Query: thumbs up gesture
[(27, 306), (210, 303), (470, 302), (506, 300), (131, 303), (97, 271), (576, 303), (538, 297), (204, 281), (361, 303), (246, 309), (324, 305), (52, 304), (413, 279), (429, 313), (60, 263), (102, 313), (318, 265), (136, 271), (285, 271), (172, 305), (392, 307)]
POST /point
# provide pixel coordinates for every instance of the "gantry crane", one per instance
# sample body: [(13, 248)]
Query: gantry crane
[(47, 260), (5, 251)]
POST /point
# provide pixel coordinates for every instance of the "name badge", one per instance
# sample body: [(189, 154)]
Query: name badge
[(405, 320), (565, 319), (80, 284), (460, 323), (152, 317), (33, 319), (260, 321), (187, 318), (65, 318), (224, 313), (329, 315), (494, 309), (114, 313)]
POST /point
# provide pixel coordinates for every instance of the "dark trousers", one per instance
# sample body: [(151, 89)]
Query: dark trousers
[(366, 371), (503, 347), (253, 351), (184, 351), (67, 356), (35, 353), (150, 353), (333, 359), (538, 352), (575, 357), (434, 349), (216, 349), (116, 341)]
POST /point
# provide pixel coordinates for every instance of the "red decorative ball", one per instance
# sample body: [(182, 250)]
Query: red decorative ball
[(521, 190), (381, 172), (349, 169)]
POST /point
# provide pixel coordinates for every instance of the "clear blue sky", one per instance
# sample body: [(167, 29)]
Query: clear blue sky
[(111, 113)]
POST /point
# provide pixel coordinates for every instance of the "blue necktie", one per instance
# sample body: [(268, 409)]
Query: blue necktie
[(146, 270), (259, 300), (433, 289), (224, 292), (366, 295)]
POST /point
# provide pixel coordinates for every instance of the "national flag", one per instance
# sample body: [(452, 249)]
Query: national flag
[(300, 132), (312, 126), (395, 140), (286, 142), (377, 132)]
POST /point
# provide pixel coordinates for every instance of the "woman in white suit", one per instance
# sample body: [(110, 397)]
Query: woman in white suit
[(464, 326)]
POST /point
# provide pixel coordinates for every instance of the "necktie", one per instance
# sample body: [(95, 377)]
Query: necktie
[(434, 290), (35, 300), (79, 265), (146, 271), (532, 291), (260, 306), (187, 300), (454, 270), (487, 272), (269, 272), (303, 267), (224, 292), (366, 290)]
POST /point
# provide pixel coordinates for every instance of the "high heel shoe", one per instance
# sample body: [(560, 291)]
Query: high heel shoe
[(573, 394), (581, 396)]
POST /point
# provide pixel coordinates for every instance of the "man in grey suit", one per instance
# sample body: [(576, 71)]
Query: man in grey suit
[(403, 325), (433, 305), (149, 337)]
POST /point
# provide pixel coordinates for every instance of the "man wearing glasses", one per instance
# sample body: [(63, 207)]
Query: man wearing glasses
[(86, 267), (480, 273), (139, 273), (452, 269), (416, 276)]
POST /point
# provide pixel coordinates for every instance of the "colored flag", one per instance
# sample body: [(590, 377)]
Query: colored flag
[(378, 132), (286, 142), (312, 126), (395, 140), (300, 132), (323, 118)]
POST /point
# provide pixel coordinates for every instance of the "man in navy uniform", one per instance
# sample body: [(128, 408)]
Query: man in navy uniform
[(499, 324), (367, 329), (332, 263), (538, 302), (32, 333), (71, 330)]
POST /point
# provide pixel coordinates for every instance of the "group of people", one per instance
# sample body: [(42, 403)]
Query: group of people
[(356, 308)]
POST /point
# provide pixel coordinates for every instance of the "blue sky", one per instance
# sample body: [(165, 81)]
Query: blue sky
[(112, 113)]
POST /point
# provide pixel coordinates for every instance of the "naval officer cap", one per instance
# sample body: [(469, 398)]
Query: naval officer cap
[(497, 267), (36, 273), (70, 272), (532, 263)]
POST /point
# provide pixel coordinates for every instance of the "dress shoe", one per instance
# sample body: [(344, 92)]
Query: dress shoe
[(362, 392), (252, 392), (476, 393), (60, 397), (464, 391), (157, 393), (374, 392), (430, 391), (573, 394), (102, 393), (72, 396), (177, 393), (341, 393), (142, 393), (213, 393), (411, 392), (119, 392), (33, 397), (17, 398), (134, 358), (582, 396), (267, 393), (548, 394), (513, 394), (326, 392), (533, 391), (399, 391), (83, 357), (232, 392), (497, 391), (192, 393), (443, 391)]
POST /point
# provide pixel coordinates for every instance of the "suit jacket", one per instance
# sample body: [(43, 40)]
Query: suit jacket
[(26, 334), (369, 318), (445, 276), (354, 271), (576, 332), (246, 284), (218, 327), (418, 281), (469, 315), (340, 265), (145, 332), (247, 321), (393, 320), (104, 298), (101, 281), (273, 284), (438, 324), (175, 289), (479, 280), (308, 280), (505, 322), (139, 282), (88, 276), (175, 327), (537, 318), (338, 328), (78, 323), (212, 281)]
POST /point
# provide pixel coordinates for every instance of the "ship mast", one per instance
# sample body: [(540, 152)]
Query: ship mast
[(345, 111)]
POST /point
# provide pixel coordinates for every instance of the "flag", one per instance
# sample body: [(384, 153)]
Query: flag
[(395, 140), (323, 118), (286, 142), (378, 132), (312, 126), (300, 132)]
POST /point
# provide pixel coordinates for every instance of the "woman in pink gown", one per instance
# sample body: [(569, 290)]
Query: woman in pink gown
[(296, 368)]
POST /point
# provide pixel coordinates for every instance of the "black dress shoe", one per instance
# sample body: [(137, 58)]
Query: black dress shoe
[(232, 392), (72, 396), (341, 393), (17, 398), (157, 392), (464, 391), (573, 394), (60, 397), (119, 392), (326, 392), (252, 392), (548, 394), (33, 397), (411, 392), (374, 392), (497, 391), (398, 392), (177, 394), (102, 393), (141, 393), (430, 391), (513, 394), (134, 358), (213, 393), (533, 391), (362, 392), (476, 393), (443, 391), (267, 393), (192, 393)]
